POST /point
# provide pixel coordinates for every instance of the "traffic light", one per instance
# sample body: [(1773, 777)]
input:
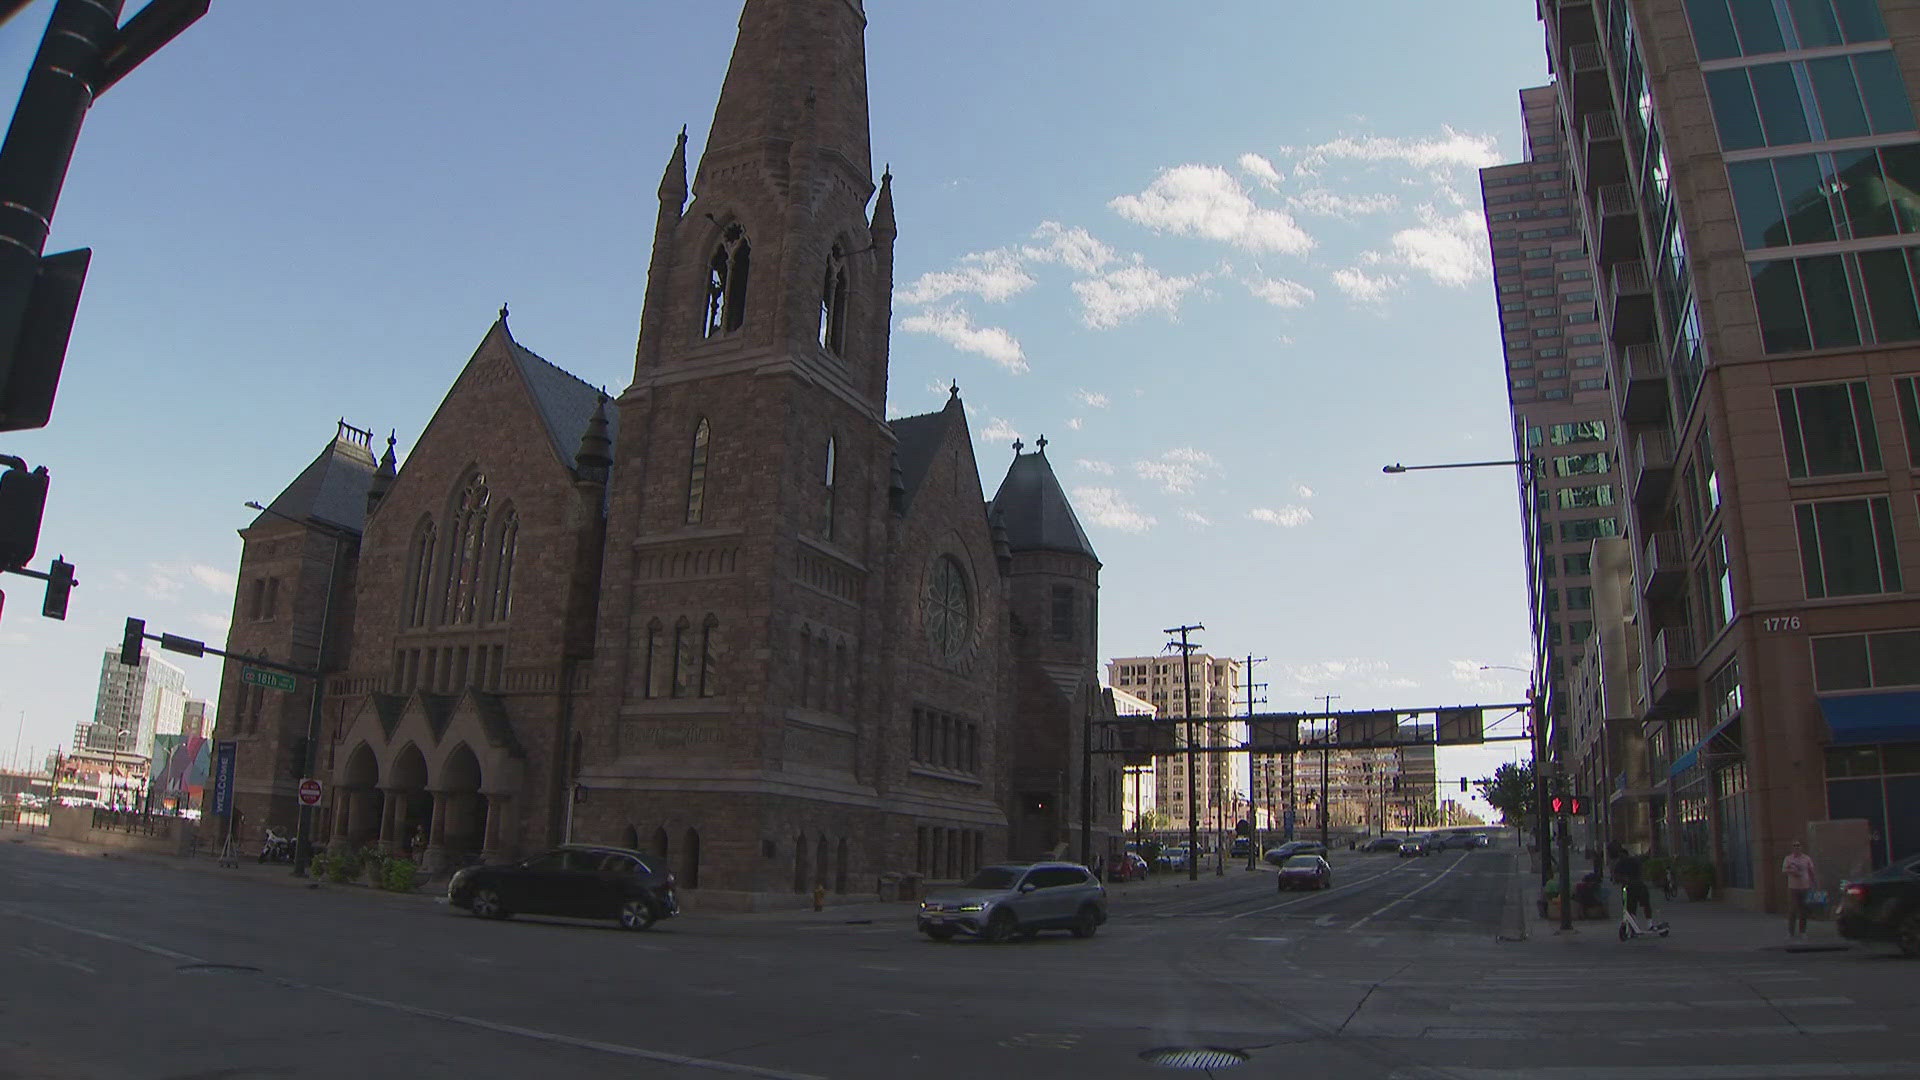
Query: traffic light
[(1243, 827), (59, 583), (31, 373), (23, 501), (1566, 804), (1463, 785), (130, 644)]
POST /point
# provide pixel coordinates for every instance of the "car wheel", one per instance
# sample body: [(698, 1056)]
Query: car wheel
[(940, 933), (1001, 926), (486, 904), (1908, 936), (1087, 923), (636, 914)]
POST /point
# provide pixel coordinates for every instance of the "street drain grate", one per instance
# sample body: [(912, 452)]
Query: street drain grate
[(1196, 1058), (216, 969)]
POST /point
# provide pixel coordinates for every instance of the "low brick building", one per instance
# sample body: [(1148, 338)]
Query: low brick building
[(736, 616)]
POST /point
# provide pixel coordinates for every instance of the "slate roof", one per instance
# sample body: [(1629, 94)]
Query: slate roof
[(1035, 510), (333, 488), (918, 439), (566, 403)]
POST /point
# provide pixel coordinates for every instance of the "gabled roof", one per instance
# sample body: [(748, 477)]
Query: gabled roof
[(333, 488), (1035, 510), (918, 439), (566, 403)]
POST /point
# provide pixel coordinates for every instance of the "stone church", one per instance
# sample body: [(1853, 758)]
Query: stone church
[(736, 617)]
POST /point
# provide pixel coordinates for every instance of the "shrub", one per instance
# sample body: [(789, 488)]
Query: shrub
[(317, 865), (399, 875)]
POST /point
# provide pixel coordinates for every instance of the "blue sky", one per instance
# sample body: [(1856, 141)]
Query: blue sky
[(1228, 258)]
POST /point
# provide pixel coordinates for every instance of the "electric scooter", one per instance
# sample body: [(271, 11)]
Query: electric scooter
[(1631, 928)]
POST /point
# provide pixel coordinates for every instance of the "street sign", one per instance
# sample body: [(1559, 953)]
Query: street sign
[(309, 792), (223, 755), (272, 680)]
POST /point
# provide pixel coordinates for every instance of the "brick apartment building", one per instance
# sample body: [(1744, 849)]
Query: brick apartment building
[(736, 616)]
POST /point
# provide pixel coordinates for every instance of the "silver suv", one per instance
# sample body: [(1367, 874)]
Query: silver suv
[(1017, 899)]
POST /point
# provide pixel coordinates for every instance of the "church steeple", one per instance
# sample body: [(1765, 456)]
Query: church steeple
[(799, 71)]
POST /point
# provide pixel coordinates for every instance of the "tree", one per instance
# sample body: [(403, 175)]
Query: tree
[(1510, 790), (1155, 821)]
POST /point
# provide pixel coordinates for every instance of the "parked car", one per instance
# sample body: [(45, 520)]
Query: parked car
[(1883, 906), (1174, 858), (1416, 845), (1278, 856), (1241, 845), (574, 881), (1305, 872), (1128, 867), (1381, 843), (1022, 899)]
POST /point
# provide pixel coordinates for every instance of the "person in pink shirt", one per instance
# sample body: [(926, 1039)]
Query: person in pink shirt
[(1801, 878)]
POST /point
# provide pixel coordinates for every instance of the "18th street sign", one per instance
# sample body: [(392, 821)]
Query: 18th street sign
[(272, 680)]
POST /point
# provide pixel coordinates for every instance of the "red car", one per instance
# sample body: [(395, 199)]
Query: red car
[(1129, 867), (1305, 872)]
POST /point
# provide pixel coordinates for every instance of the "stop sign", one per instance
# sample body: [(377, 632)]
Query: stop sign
[(309, 792)]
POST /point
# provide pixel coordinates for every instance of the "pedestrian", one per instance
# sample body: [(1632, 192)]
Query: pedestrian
[(1628, 872), (1801, 877)]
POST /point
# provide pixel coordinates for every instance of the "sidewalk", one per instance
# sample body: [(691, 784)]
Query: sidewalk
[(249, 869)]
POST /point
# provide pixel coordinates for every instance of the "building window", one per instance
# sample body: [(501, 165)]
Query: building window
[(1588, 529), (1817, 198), (463, 557), (727, 283), (1724, 29), (1799, 101), (1828, 430), (420, 573), (1575, 498), (1716, 586), (1062, 615), (697, 473), (272, 611), (1577, 565), (686, 666), (833, 304), (500, 603), (1907, 391), (833, 465), (1847, 547), (1866, 661)]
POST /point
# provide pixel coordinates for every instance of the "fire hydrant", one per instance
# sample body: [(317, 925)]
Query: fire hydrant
[(819, 897)]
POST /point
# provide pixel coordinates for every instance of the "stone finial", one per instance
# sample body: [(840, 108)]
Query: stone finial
[(1017, 447), (673, 182), (384, 475), (594, 461), (1041, 444), (884, 228)]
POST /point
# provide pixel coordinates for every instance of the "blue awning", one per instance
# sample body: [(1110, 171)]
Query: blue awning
[(1684, 762), (1864, 719)]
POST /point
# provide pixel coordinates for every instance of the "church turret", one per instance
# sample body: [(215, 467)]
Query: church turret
[(383, 476), (595, 456), (1055, 573)]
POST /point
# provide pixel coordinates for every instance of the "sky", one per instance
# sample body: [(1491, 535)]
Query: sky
[(1227, 258)]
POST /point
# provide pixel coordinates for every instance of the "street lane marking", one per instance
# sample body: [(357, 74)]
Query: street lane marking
[(1317, 895), (1646, 1006), (34, 952), (1806, 1071), (615, 1049), (1458, 863), (1640, 1034)]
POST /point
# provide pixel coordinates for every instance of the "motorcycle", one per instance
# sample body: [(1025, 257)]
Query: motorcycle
[(276, 848)]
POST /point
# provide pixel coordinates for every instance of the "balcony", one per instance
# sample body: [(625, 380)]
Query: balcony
[(1639, 384), (1672, 682), (1614, 225), (1603, 154), (1586, 74), (1663, 565), (1629, 304), (1651, 471)]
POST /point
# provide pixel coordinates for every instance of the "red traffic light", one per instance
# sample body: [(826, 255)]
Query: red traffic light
[(1565, 804)]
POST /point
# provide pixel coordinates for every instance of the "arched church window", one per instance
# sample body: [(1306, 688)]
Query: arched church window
[(710, 657), (686, 669), (697, 473), (833, 468), (419, 573), (727, 283), (506, 539), (463, 557), (833, 304), (656, 655)]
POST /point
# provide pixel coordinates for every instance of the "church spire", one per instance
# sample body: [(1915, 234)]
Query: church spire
[(673, 183), (799, 71)]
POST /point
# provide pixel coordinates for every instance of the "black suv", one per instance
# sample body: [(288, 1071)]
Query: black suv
[(1884, 906), (575, 881)]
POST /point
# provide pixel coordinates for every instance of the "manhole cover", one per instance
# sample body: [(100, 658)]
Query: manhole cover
[(216, 969), (1197, 1058)]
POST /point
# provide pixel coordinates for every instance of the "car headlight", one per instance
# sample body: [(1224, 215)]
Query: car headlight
[(981, 906), (926, 905)]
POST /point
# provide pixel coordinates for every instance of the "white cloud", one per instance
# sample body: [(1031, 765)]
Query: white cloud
[(1334, 205), (216, 626), (1449, 248), (1450, 150), (1177, 471), (1287, 517), (1119, 295), (1196, 518), (1468, 673), (1092, 466), (1260, 169), (1281, 293), (1091, 399), (1321, 672), (1074, 248), (15, 637), (1365, 288), (999, 431), (956, 329), (1303, 491), (1206, 201), (1076, 424), (220, 581), (993, 276), (1105, 506)]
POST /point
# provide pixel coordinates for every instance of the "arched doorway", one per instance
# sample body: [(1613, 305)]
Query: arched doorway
[(630, 839), (800, 863), (408, 805), (840, 869), (820, 863), (690, 860), (357, 801), (660, 843), (459, 826)]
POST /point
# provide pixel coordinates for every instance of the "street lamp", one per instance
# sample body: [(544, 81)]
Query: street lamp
[(303, 835), (1528, 469)]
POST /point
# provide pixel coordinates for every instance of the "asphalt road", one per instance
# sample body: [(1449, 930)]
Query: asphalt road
[(112, 969)]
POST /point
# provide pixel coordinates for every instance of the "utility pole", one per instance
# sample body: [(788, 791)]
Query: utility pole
[(1186, 713), (1253, 807), (1326, 738)]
